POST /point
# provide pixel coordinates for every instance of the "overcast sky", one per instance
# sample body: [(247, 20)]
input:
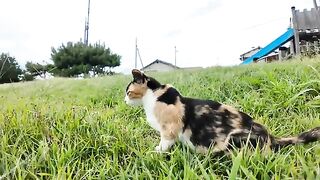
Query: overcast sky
[(205, 32)]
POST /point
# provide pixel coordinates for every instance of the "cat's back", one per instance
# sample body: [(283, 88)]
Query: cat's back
[(208, 112)]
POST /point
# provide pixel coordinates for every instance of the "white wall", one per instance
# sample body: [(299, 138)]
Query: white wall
[(159, 67)]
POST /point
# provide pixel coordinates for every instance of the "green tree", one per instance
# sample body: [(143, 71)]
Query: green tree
[(36, 69), (76, 58), (26, 76), (9, 69)]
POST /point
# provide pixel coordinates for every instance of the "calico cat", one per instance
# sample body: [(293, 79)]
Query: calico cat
[(201, 124)]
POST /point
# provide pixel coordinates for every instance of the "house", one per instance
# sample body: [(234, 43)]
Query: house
[(282, 54), (270, 57), (248, 54), (159, 65)]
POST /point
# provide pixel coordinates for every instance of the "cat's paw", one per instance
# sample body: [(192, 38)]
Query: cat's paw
[(158, 149)]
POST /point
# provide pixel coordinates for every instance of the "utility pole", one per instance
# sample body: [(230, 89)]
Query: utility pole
[(315, 4), (136, 51), (175, 55), (86, 28)]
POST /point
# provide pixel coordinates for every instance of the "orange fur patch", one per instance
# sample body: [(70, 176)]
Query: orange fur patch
[(170, 118), (137, 91)]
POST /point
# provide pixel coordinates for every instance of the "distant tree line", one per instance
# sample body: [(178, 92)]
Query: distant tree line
[(70, 60)]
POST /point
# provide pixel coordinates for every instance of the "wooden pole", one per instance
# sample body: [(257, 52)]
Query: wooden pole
[(296, 32)]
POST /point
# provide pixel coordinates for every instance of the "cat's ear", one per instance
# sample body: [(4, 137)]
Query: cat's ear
[(138, 76)]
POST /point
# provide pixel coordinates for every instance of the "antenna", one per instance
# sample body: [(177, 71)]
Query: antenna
[(86, 28)]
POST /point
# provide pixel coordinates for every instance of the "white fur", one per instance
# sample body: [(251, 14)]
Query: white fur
[(164, 145), (132, 102), (185, 139), (149, 102)]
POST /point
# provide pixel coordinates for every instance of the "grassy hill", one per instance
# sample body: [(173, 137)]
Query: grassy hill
[(67, 128)]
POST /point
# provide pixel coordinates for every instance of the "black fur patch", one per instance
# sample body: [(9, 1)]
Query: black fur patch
[(310, 136), (246, 119), (139, 80), (170, 96), (241, 139), (153, 84), (204, 127), (128, 87)]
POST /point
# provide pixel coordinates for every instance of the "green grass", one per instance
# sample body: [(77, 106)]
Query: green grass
[(82, 129)]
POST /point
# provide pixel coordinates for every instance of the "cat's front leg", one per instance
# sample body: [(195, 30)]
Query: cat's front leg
[(164, 145), (168, 138), (168, 133)]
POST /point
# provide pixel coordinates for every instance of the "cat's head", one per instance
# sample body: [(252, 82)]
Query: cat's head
[(139, 87)]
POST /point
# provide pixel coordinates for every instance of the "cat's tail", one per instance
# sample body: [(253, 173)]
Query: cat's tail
[(304, 138)]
